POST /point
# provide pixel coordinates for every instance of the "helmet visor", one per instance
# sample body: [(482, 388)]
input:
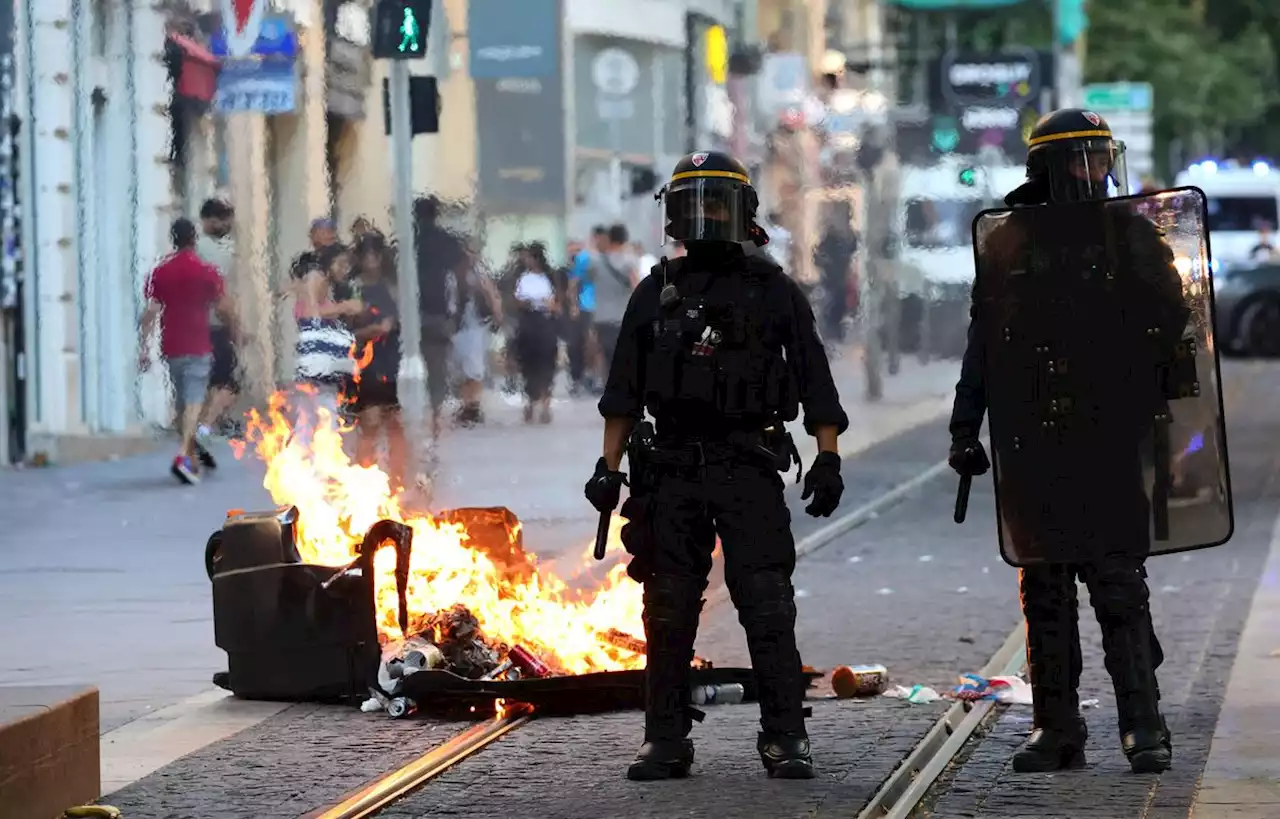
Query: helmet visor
[(1084, 170), (707, 210)]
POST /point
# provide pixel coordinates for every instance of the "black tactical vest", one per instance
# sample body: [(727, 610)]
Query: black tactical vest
[(716, 351)]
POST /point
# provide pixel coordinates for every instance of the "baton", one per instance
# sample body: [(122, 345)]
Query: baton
[(962, 498), (602, 533)]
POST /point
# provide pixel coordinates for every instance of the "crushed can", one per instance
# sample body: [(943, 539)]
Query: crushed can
[(859, 680), (529, 665), (723, 694), (401, 707)]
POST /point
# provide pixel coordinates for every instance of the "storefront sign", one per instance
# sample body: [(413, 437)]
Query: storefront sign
[(514, 39)]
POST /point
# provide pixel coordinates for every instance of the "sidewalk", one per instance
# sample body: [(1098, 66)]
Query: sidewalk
[(1242, 776)]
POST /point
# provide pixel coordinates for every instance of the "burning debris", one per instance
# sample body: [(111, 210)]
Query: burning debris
[(472, 557)]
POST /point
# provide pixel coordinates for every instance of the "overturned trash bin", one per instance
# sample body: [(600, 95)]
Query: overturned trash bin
[(292, 630)]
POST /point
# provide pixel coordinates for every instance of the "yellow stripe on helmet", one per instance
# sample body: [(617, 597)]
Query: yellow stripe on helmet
[(734, 175), (1068, 135)]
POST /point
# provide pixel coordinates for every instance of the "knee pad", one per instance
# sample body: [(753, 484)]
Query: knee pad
[(763, 597), (673, 600)]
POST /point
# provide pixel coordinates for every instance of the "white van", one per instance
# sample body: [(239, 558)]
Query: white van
[(1241, 200), (939, 205)]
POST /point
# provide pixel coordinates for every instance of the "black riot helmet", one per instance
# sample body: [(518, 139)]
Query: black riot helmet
[(1073, 157), (710, 199)]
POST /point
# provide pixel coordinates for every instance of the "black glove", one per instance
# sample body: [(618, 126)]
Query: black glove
[(824, 484), (605, 487), (968, 457)]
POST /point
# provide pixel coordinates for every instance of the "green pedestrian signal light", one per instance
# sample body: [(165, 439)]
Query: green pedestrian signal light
[(410, 33), (400, 29), (968, 177)]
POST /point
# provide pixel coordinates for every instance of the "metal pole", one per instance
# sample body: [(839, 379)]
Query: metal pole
[(412, 373)]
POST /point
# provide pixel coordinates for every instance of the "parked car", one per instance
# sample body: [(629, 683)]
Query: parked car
[(1247, 302)]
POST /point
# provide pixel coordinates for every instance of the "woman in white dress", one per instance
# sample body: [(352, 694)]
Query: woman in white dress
[(537, 341)]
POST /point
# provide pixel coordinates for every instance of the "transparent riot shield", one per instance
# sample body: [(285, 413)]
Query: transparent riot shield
[(1102, 381)]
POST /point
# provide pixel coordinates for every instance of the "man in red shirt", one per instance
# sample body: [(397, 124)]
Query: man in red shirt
[(180, 293)]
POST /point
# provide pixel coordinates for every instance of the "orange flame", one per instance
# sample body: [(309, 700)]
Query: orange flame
[(338, 501)]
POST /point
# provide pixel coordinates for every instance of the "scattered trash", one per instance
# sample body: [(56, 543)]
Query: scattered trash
[(724, 694), (801, 594), (962, 590), (460, 648), (635, 645), (1090, 703), (401, 707), (859, 680), (966, 639), (1009, 690), (916, 694), (884, 591), (1275, 652), (926, 558), (1170, 589), (855, 559)]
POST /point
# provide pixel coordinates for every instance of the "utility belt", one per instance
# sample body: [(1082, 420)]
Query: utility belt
[(773, 446)]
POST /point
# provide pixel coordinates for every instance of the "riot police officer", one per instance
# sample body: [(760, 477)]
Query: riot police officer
[(721, 348), (1073, 160)]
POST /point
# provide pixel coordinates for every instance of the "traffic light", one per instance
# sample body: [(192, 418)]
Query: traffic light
[(400, 29), (968, 177), (1069, 21), (424, 105)]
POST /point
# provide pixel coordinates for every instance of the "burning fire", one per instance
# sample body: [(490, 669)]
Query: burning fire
[(338, 500)]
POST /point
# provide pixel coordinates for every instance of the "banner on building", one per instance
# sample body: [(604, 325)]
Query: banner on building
[(514, 39), (266, 81), (519, 86)]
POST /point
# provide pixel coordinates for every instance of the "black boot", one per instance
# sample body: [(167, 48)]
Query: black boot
[(785, 756), (1132, 652), (1054, 748), (671, 608), (1051, 607), (662, 759), (767, 611)]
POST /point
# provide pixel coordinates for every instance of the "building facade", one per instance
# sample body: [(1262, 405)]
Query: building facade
[(556, 116)]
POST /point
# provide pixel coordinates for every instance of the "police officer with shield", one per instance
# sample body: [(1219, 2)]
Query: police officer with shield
[(721, 348), (1086, 346)]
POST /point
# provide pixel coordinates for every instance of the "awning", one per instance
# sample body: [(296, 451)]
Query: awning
[(196, 77)]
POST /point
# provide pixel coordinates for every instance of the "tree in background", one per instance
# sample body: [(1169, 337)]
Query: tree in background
[(1213, 75)]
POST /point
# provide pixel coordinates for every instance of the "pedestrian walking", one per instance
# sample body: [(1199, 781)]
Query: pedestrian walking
[(217, 247), (616, 278), (324, 361), (375, 396), (536, 340), (181, 292), (480, 314)]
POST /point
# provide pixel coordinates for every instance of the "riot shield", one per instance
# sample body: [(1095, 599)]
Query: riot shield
[(1103, 390)]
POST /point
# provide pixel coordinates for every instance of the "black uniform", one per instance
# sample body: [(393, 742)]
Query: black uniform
[(1107, 463), (721, 349)]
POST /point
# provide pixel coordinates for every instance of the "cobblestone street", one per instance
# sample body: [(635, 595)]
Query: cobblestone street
[(907, 588)]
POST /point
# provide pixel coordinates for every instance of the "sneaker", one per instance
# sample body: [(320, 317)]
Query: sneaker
[(204, 456), (185, 471)]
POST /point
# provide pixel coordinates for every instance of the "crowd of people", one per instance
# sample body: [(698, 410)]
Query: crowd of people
[(480, 328)]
